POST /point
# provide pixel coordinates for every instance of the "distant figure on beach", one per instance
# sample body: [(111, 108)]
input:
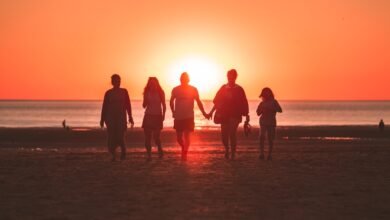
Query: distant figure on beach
[(182, 106), (230, 104), (267, 110), (381, 125), (115, 106), (65, 126), (155, 108)]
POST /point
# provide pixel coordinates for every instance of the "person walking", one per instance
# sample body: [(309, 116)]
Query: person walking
[(267, 110), (116, 104), (230, 105), (155, 108), (182, 106)]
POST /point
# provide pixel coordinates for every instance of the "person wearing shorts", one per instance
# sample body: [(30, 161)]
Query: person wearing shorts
[(182, 106)]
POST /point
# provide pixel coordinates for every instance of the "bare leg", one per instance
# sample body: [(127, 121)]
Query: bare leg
[(179, 138), (271, 137), (233, 136), (112, 150), (148, 143), (121, 139), (186, 143), (225, 138), (262, 138), (157, 140), (111, 145)]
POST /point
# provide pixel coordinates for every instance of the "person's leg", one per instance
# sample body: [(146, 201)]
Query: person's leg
[(121, 142), (148, 143), (111, 143), (186, 143), (271, 137), (233, 125), (179, 138), (157, 140), (262, 138), (181, 141), (225, 137)]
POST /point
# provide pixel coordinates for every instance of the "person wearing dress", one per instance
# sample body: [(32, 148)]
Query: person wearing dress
[(155, 108)]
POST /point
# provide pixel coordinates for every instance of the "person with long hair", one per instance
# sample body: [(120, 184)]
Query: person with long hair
[(267, 110), (182, 106), (116, 104), (230, 104), (155, 108)]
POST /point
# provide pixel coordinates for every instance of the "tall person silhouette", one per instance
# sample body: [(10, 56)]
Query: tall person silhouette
[(182, 106), (115, 106), (230, 104)]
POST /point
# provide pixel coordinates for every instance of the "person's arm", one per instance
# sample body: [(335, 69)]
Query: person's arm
[(259, 110), (128, 108), (245, 106), (210, 115), (216, 101), (172, 103), (145, 101), (104, 110), (164, 106), (200, 104), (278, 108)]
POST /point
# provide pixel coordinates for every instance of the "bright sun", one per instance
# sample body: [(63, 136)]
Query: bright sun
[(204, 74)]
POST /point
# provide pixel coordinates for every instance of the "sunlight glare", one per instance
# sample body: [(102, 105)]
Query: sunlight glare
[(205, 74)]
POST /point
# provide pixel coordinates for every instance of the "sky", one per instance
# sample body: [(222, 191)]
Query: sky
[(303, 50)]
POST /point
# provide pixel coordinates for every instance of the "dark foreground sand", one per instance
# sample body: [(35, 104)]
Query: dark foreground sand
[(53, 174)]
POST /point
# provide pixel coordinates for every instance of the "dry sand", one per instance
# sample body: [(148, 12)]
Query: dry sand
[(54, 174)]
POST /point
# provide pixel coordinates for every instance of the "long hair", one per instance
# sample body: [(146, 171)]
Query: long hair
[(148, 88), (267, 94)]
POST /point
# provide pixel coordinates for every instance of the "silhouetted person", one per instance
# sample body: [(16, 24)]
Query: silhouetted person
[(155, 108), (267, 110), (182, 106), (381, 125), (115, 106), (230, 104), (65, 126)]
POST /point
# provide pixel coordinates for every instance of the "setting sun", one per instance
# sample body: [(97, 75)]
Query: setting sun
[(205, 74)]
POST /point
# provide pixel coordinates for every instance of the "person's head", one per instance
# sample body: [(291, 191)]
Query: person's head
[(184, 78), (116, 80), (232, 76), (267, 94), (152, 85)]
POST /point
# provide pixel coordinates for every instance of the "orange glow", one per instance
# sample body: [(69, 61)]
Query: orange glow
[(204, 74), (301, 49)]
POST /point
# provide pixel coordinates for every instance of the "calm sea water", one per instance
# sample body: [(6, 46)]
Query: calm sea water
[(87, 113)]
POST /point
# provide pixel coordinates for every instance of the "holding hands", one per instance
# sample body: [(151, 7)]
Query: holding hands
[(131, 121)]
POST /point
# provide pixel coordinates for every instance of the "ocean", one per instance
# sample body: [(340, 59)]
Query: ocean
[(295, 113)]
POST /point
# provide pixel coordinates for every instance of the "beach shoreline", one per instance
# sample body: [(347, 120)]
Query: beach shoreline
[(331, 172)]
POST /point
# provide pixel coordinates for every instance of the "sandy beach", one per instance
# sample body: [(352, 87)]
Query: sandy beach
[(317, 173)]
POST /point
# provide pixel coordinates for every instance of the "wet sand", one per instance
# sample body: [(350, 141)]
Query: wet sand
[(316, 173)]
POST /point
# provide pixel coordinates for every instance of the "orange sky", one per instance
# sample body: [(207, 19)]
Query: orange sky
[(301, 49)]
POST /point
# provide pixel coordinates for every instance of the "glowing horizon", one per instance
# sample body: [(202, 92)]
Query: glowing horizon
[(322, 50)]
